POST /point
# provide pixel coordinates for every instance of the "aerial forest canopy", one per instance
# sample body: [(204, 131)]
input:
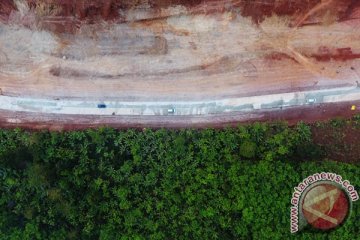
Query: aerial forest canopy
[(233, 183)]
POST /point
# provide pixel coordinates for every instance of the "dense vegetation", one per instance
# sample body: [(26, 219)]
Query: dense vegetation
[(234, 183)]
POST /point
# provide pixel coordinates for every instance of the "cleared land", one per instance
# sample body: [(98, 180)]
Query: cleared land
[(167, 55)]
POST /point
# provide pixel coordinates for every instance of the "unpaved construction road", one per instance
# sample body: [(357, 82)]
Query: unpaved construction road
[(210, 63)]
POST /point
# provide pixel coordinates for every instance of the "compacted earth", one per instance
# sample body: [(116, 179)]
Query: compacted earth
[(174, 51)]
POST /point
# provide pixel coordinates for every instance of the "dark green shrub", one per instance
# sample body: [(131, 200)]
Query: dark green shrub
[(248, 149), (188, 184)]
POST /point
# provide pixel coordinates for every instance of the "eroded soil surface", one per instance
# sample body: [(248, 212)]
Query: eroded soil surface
[(163, 50)]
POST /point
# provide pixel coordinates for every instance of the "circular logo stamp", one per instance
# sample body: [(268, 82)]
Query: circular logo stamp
[(325, 206)]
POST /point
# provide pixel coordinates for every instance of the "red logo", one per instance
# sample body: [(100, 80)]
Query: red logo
[(325, 206)]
